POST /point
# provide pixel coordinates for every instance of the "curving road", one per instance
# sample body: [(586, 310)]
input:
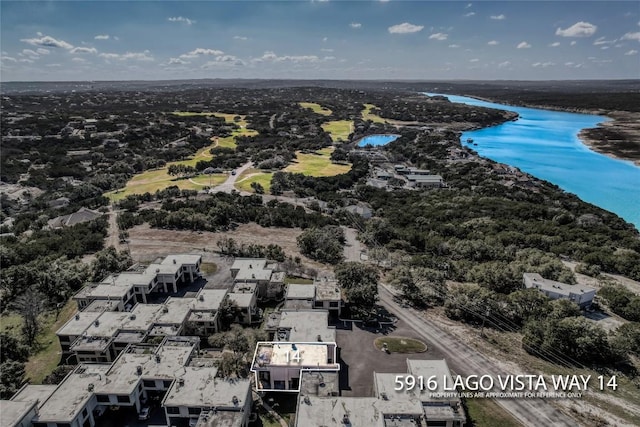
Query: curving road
[(464, 360), (229, 185)]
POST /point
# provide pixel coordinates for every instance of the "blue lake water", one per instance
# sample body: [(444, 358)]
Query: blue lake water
[(545, 144), (376, 140)]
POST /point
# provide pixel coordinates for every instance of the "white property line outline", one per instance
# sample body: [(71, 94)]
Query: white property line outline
[(335, 364)]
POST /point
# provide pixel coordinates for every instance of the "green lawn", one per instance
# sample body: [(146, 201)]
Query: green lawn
[(367, 115), (338, 129), (317, 164), (263, 178), (487, 413), (401, 344), (46, 355), (312, 164), (316, 108)]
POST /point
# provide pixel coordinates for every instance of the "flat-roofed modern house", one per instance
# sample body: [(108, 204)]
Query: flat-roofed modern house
[(130, 287), (204, 319), (260, 271), (425, 181), (280, 365), (579, 294), (20, 410), (244, 296), (387, 407), (75, 327), (186, 386), (323, 294)]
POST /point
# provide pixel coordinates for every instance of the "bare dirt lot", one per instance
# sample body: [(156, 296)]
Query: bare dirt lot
[(147, 244)]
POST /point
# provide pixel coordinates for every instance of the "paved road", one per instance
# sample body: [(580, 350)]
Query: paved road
[(352, 247), (464, 360), (229, 185), (113, 235)]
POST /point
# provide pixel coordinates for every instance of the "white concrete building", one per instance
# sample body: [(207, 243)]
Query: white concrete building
[(579, 294)]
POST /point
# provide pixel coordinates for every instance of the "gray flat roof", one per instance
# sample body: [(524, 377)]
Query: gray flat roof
[(327, 290), (243, 300), (534, 280), (209, 299), (300, 291), (221, 419), (79, 323), (12, 412), (359, 411), (305, 326), (202, 388), (428, 368), (182, 259), (424, 178), (251, 269), (33, 392)]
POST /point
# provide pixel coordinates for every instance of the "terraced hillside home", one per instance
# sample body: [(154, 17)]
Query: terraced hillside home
[(265, 274), (169, 373)]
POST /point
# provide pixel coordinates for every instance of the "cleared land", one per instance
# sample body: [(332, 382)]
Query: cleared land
[(316, 108), (158, 179), (338, 129), (400, 344), (47, 352), (368, 115), (312, 164)]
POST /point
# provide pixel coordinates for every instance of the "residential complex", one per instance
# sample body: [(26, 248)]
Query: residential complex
[(579, 294)]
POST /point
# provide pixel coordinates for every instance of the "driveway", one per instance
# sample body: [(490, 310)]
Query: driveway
[(359, 359), (229, 185)]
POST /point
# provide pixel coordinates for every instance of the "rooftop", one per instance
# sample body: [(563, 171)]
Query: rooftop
[(534, 280), (306, 326), (300, 291), (251, 269), (33, 392), (289, 354), (12, 412), (202, 388), (79, 323), (243, 300), (209, 299), (428, 368), (327, 290), (182, 259), (221, 419)]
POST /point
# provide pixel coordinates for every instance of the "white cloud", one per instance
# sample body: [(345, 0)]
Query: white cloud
[(47, 41), (555, 44), (405, 28), (355, 25), (8, 58), (270, 56), (468, 5), (474, 60), (604, 47), (324, 39), (173, 61), (78, 59), (631, 36), (543, 64), (138, 56), (573, 43), (601, 40), (102, 37), (493, 43), (504, 64), (240, 38), (43, 51), (30, 53), (454, 46), (223, 61), (326, 50), (469, 14), (181, 19), (92, 50), (54, 65), (27, 60), (631, 52), (572, 64), (438, 36), (579, 29), (200, 52), (523, 45), (498, 17)]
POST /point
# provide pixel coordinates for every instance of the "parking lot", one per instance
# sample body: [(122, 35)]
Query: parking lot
[(359, 358)]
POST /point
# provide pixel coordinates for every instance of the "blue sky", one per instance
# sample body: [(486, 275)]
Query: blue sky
[(102, 40)]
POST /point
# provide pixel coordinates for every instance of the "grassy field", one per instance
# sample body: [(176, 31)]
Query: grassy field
[(312, 164), (158, 179), (316, 108), (401, 345), (317, 164), (487, 413), (208, 267), (367, 115), (254, 175), (338, 129), (47, 354)]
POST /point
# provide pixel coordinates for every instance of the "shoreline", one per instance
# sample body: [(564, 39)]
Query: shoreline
[(621, 123)]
